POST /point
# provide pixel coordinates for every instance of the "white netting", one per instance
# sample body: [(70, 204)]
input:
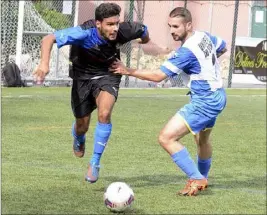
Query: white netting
[(34, 25), (9, 20), (34, 22)]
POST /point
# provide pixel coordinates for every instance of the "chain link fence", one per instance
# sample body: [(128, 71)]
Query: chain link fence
[(227, 19), (9, 24), (39, 19)]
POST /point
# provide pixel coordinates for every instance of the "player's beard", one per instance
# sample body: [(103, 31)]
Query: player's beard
[(179, 38), (107, 36)]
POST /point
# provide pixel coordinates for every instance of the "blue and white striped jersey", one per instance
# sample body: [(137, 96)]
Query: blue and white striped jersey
[(196, 61)]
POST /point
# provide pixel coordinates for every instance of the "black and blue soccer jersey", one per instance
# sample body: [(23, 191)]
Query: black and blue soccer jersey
[(90, 54)]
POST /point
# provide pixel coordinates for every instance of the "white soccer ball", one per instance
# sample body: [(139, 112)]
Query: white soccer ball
[(118, 196)]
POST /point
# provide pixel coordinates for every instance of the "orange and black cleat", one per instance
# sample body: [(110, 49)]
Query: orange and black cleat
[(193, 186)]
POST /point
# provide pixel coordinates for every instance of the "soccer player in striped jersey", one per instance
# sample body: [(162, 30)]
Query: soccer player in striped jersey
[(196, 61)]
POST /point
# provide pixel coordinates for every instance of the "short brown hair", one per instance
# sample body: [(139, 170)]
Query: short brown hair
[(181, 12)]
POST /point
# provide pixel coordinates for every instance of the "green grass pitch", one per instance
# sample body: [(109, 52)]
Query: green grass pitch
[(40, 175)]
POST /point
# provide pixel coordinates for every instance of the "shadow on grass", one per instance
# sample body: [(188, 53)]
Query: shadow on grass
[(222, 182), (247, 183), (75, 198), (148, 180)]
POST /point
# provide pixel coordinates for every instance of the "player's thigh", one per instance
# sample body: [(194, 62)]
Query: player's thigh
[(195, 119), (174, 129), (105, 101), (205, 133), (106, 93), (82, 101), (203, 137)]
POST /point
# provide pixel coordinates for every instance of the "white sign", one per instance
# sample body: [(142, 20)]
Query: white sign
[(67, 7), (259, 16)]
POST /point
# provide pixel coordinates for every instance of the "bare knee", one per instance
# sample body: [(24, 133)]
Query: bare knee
[(164, 138), (82, 126), (202, 142), (104, 116)]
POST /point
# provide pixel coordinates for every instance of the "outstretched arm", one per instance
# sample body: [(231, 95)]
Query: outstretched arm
[(67, 36), (43, 68), (150, 75)]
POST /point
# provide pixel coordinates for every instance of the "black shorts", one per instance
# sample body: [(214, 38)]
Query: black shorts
[(85, 92)]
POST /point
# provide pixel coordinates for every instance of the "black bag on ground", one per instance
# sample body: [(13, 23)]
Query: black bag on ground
[(12, 78)]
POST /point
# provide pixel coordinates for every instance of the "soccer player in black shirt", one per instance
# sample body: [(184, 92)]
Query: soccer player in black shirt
[(94, 47)]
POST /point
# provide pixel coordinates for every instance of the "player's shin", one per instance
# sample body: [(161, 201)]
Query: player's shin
[(102, 133), (184, 161), (204, 156)]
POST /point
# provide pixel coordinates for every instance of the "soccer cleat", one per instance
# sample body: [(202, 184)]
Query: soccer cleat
[(193, 186), (93, 173), (78, 148)]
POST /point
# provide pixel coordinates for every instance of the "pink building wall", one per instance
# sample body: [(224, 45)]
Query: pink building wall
[(156, 14)]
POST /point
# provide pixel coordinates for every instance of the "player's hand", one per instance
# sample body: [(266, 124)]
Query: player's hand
[(40, 72), (117, 67)]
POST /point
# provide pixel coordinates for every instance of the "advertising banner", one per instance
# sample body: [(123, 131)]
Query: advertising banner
[(252, 60)]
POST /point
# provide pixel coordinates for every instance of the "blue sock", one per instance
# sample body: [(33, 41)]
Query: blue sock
[(186, 164), (80, 138), (102, 133), (204, 166)]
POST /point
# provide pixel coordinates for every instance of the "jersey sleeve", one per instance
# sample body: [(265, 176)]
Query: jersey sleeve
[(131, 30), (179, 62), (70, 36), (218, 42)]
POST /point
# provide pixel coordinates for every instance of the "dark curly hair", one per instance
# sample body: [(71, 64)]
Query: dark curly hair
[(106, 10)]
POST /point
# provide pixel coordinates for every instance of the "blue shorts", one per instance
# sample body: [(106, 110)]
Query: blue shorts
[(201, 112)]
